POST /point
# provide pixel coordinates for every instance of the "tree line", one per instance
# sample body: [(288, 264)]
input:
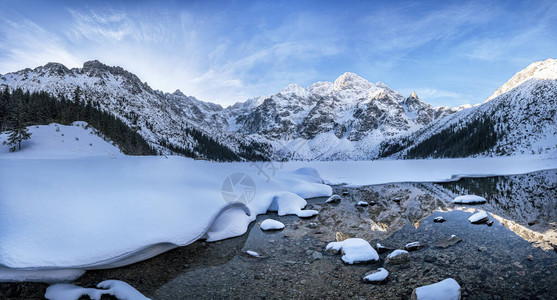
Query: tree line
[(19, 109)]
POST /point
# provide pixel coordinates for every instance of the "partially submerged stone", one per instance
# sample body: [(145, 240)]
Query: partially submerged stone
[(452, 240), (333, 199), (479, 217), (376, 276), (414, 246), (354, 250), (439, 219), (469, 199), (398, 257)]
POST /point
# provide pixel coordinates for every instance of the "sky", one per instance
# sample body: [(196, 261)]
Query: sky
[(449, 52)]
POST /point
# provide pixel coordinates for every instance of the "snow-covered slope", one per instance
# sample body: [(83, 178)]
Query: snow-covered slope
[(59, 141), (159, 117), (523, 112)]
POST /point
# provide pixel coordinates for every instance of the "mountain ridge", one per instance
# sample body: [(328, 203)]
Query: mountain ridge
[(350, 118)]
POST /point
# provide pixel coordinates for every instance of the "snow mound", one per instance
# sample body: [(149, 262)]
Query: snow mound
[(61, 141), (447, 289), (291, 204), (271, 224), (469, 199), (116, 288), (354, 250)]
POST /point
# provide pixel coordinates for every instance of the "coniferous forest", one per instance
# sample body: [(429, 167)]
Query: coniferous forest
[(41, 109), (458, 140)]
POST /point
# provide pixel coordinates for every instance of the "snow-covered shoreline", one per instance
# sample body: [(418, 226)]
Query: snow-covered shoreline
[(93, 210)]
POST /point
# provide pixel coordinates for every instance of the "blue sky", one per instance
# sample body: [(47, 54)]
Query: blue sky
[(449, 52)]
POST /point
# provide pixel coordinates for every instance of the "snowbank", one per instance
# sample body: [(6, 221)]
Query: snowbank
[(95, 213), (359, 173)]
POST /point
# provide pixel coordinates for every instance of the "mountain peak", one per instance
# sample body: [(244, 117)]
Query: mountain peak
[(94, 64), (55, 68), (178, 93), (351, 81), (414, 95), (546, 69), (294, 89)]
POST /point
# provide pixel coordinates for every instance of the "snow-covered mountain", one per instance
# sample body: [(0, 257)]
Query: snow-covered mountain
[(347, 119), (350, 118), (519, 118), (163, 119)]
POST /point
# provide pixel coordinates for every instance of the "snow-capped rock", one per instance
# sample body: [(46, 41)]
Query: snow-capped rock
[(469, 199), (447, 289), (271, 224), (354, 250), (479, 217), (376, 276)]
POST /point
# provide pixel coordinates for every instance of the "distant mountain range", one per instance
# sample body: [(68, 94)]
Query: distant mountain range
[(350, 118)]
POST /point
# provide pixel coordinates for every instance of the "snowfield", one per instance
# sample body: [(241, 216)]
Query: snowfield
[(71, 209)]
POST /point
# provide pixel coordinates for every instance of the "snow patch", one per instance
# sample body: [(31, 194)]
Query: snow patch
[(271, 224), (116, 288)]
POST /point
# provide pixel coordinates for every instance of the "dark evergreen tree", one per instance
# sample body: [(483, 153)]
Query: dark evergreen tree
[(19, 131)]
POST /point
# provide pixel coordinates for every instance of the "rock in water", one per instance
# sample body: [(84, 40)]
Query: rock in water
[(377, 276), (362, 203), (382, 249), (398, 257), (254, 254), (414, 246), (479, 217), (490, 223), (271, 224), (452, 240), (333, 199), (447, 289), (469, 199), (354, 250), (439, 220)]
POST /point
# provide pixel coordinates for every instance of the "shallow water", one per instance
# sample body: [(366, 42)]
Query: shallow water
[(518, 262)]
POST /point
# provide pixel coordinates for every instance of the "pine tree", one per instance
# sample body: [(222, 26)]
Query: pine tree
[(19, 131)]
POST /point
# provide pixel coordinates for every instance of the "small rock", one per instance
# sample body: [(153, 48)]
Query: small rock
[(309, 252), (452, 240), (316, 255), (311, 225), (253, 254), (382, 249), (430, 259), (532, 222), (518, 265), (377, 276), (362, 203), (482, 249), (439, 219), (397, 199), (398, 257), (414, 246), (290, 262), (334, 199), (345, 193), (271, 224), (530, 257), (490, 223), (479, 217)]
